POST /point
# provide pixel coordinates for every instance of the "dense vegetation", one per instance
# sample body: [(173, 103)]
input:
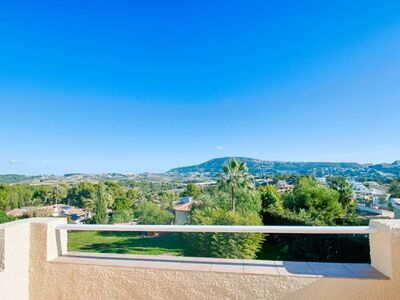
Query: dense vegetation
[(4, 218), (313, 204), (99, 198), (394, 189), (233, 200)]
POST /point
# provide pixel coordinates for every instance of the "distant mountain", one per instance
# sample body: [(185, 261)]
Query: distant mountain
[(14, 178), (264, 167)]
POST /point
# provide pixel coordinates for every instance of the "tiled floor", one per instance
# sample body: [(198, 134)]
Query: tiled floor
[(261, 267)]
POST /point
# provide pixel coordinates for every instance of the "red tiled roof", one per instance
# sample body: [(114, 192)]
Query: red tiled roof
[(183, 206), (17, 212)]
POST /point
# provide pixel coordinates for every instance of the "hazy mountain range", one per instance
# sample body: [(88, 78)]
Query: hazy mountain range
[(264, 167), (213, 167)]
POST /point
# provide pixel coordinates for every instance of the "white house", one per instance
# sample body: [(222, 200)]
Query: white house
[(182, 210)]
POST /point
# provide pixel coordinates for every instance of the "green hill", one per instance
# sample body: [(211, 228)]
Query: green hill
[(263, 167)]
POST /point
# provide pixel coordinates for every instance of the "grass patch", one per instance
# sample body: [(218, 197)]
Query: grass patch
[(124, 243), (135, 243)]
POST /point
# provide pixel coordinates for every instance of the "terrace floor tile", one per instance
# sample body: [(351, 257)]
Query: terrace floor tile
[(330, 270), (266, 267), (364, 271), (294, 268)]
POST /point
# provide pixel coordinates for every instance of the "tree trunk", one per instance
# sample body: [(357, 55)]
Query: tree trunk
[(233, 194)]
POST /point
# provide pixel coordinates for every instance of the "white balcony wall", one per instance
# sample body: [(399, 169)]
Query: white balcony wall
[(31, 270)]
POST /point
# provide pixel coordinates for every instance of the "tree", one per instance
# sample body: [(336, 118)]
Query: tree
[(191, 190), (132, 194), (42, 194), (150, 213), (318, 201), (88, 204), (57, 194), (246, 200), (4, 218), (100, 205), (166, 200), (344, 189), (122, 203), (394, 188), (234, 176), (114, 190), (224, 245), (121, 216), (270, 198), (78, 194)]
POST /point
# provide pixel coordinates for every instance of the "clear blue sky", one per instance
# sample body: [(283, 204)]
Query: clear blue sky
[(130, 86)]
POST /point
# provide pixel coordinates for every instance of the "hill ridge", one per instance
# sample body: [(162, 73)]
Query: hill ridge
[(270, 167)]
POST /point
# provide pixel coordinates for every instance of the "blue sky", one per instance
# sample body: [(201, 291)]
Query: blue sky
[(126, 86)]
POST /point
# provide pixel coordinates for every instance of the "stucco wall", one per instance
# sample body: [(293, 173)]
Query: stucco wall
[(51, 280), (68, 281), (385, 247), (14, 260), (181, 217)]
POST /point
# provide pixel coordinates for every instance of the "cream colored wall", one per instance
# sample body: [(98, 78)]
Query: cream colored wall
[(385, 247), (68, 281), (14, 260), (51, 280)]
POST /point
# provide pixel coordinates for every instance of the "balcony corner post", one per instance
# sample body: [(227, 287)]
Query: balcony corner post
[(385, 247)]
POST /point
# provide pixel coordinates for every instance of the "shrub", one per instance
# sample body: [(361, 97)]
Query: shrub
[(121, 216), (4, 218), (316, 247), (150, 213), (223, 245)]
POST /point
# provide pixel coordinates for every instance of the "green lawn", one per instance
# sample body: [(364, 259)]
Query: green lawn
[(124, 242), (134, 243)]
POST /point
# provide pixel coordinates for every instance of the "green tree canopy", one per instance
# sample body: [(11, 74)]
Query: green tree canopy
[(394, 188), (224, 245), (100, 205), (270, 198), (150, 213), (234, 176), (191, 190), (13, 196), (79, 194), (4, 218), (57, 194), (122, 203), (121, 216), (344, 189), (311, 197)]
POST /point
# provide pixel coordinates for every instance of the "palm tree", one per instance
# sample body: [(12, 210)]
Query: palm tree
[(57, 194), (88, 204), (235, 176), (37, 202)]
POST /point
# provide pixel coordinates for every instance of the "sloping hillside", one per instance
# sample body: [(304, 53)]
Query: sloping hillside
[(263, 167)]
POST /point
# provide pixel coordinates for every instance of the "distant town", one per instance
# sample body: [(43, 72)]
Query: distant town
[(370, 183)]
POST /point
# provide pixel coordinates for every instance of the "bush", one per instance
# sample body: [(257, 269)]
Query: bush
[(150, 213), (121, 216), (320, 247), (321, 202), (4, 218), (223, 245), (270, 198)]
